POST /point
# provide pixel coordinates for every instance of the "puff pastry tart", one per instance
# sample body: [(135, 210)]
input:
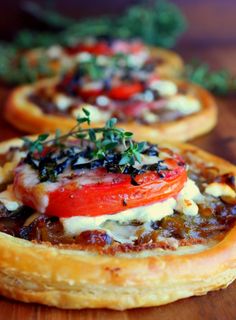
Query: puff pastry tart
[(92, 219), (58, 58), (150, 106)]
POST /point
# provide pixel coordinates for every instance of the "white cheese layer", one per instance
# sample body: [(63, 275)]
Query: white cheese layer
[(165, 88), (9, 200), (186, 104), (217, 189), (6, 171), (117, 225)]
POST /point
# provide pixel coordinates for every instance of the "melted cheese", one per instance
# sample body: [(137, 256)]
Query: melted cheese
[(54, 52), (118, 225), (62, 101), (185, 104), (6, 171), (138, 59), (40, 194), (217, 189), (150, 117), (165, 88), (9, 200), (83, 57)]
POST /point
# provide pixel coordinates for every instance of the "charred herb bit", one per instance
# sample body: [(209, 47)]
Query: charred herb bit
[(107, 147)]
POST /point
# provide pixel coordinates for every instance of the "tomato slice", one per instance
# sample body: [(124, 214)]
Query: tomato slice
[(119, 92), (125, 91), (121, 46), (136, 108), (99, 48), (97, 192), (89, 93)]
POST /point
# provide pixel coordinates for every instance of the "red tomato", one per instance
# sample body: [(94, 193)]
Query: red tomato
[(125, 91), (89, 93), (121, 46), (99, 48), (96, 192), (137, 108)]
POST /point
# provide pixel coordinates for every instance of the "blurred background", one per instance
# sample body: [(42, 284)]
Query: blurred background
[(206, 18), (208, 36), (211, 23)]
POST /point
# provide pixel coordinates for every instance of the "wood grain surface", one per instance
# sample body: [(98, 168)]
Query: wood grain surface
[(220, 305)]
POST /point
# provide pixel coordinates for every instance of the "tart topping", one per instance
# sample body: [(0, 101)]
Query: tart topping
[(103, 174), (114, 88), (97, 188), (219, 189)]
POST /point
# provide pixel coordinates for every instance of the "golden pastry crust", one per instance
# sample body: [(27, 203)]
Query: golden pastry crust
[(76, 279), (173, 64), (26, 116)]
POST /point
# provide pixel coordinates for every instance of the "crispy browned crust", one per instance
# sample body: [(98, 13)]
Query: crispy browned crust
[(77, 279), (28, 117)]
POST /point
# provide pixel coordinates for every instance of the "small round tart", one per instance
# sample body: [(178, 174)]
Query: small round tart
[(179, 241), (151, 107), (58, 59)]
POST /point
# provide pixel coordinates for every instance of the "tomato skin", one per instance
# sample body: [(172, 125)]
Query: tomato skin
[(125, 91), (99, 48), (89, 93), (119, 92), (106, 193), (121, 46), (94, 200)]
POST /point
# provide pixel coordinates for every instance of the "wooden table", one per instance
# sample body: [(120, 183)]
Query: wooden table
[(219, 305)]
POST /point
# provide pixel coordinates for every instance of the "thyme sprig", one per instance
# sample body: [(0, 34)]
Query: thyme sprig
[(220, 82), (105, 141)]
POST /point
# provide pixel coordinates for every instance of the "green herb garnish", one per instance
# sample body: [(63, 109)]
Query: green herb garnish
[(105, 140), (220, 82)]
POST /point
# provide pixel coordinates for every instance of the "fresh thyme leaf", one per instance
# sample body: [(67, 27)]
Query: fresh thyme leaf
[(108, 147), (81, 135), (82, 120), (27, 142), (86, 112), (43, 137), (125, 159), (111, 123), (128, 134), (141, 146), (92, 135)]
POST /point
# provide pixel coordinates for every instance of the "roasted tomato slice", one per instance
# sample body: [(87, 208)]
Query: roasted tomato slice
[(97, 192), (99, 48), (89, 93), (135, 47), (137, 108), (125, 90)]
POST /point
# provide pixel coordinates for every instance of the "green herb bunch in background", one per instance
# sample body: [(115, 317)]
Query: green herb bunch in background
[(157, 22), (220, 82)]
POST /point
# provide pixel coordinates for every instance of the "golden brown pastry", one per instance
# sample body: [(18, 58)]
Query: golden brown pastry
[(186, 246)]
